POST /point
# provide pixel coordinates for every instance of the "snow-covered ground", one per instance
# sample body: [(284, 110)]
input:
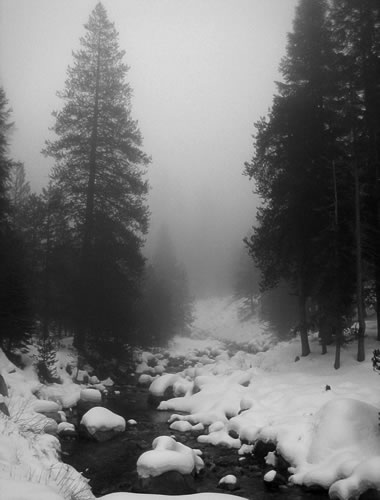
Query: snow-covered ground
[(324, 422)]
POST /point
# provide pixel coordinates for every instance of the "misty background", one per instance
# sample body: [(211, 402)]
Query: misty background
[(202, 72)]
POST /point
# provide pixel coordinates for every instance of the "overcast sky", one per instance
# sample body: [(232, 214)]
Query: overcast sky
[(202, 72)]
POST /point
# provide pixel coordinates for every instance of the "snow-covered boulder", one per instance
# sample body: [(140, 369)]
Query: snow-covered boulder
[(344, 449), (168, 455), (102, 424), (228, 482)]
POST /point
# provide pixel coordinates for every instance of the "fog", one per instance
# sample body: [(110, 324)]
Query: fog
[(202, 71)]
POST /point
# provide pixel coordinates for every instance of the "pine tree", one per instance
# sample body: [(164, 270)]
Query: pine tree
[(291, 163), (99, 168), (18, 194), (15, 311), (357, 40)]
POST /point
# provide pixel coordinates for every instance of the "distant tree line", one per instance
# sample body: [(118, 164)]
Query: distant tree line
[(316, 167), (71, 257)]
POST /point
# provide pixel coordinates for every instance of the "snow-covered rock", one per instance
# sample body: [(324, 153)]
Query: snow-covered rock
[(102, 423), (168, 455)]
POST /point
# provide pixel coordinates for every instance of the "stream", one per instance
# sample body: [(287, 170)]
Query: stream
[(111, 466)]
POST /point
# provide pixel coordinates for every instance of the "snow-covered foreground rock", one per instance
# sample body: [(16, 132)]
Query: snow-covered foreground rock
[(324, 422), (168, 455)]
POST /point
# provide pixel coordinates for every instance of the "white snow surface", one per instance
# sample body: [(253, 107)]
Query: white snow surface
[(330, 437), (25, 490)]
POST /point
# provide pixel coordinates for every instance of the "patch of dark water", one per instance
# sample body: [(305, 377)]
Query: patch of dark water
[(111, 466)]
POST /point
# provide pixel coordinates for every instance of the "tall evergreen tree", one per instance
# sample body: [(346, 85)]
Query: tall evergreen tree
[(357, 44), (99, 168), (292, 163), (15, 311)]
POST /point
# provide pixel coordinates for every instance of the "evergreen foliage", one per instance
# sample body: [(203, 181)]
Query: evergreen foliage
[(167, 306), (315, 166), (15, 311), (99, 169)]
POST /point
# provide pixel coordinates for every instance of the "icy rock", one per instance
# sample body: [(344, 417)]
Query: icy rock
[(229, 483), (273, 479), (102, 424)]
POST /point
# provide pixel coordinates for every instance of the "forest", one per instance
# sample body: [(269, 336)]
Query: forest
[(72, 257)]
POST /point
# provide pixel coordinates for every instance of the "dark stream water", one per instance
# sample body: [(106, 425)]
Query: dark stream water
[(111, 466)]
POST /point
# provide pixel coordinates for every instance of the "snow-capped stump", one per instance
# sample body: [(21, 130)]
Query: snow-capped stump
[(168, 455), (131, 422), (102, 424), (229, 483)]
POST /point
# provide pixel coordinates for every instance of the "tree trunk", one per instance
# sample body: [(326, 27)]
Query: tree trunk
[(359, 271), (337, 326), (377, 285), (88, 230), (338, 343), (302, 319)]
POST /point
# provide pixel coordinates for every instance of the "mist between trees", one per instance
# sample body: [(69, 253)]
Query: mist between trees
[(72, 257)]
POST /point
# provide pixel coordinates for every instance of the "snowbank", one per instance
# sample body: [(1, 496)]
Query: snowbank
[(323, 421), (25, 490)]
